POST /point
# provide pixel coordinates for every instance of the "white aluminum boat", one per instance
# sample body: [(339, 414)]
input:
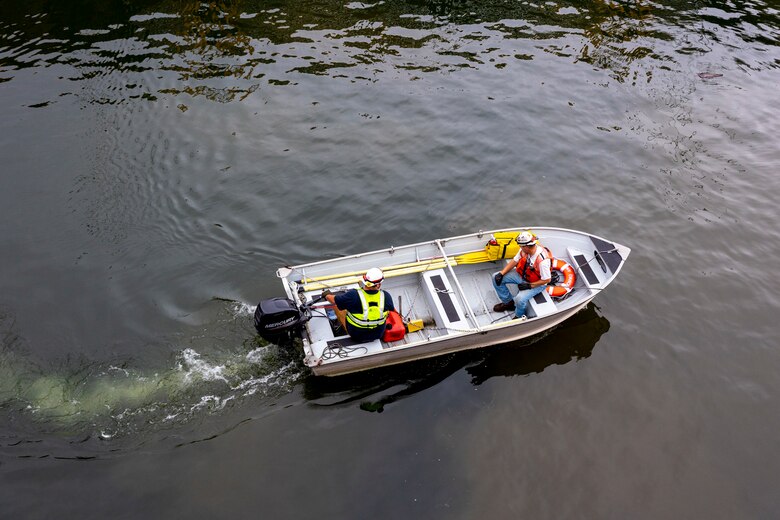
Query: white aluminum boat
[(445, 283)]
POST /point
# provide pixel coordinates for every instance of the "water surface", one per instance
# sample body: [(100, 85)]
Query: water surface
[(160, 160)]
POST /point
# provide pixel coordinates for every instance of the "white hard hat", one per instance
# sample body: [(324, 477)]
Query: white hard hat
[(373, 276), (526, 238)]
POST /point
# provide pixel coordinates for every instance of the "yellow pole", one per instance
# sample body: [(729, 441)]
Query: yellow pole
[(346, 280), (335, 280), (360, 273)]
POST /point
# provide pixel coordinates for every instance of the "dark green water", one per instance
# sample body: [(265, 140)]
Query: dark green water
[(160, 160)]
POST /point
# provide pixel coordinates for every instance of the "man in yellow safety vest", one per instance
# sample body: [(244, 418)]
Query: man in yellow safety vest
[(363, 312)]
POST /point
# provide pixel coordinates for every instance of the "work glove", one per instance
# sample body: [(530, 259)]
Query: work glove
[(523, 286), (498, 278)]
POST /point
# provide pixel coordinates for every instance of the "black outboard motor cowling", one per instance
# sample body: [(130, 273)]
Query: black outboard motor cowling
[(279, 320)]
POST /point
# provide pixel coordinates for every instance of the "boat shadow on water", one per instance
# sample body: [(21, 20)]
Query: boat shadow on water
[(574, 339)]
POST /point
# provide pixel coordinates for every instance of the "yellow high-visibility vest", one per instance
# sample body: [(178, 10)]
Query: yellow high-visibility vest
[(373, 315)]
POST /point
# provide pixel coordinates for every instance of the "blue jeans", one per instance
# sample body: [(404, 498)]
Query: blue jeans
[(522, 296)]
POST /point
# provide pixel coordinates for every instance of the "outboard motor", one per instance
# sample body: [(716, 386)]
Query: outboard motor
[(279, 320)]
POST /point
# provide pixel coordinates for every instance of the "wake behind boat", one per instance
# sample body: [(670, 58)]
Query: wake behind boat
[(444, 293)]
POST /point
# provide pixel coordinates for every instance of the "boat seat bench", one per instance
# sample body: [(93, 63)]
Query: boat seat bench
[(445, 305), (541, 305), (586, 273)]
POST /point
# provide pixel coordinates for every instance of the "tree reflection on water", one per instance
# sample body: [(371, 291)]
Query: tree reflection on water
[(225, 50)]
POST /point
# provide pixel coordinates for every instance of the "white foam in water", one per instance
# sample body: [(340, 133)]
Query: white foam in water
[(243, 309), (212, 402), (276, 379), (117, 401), (256, 355), (112, 368), (198, 367)]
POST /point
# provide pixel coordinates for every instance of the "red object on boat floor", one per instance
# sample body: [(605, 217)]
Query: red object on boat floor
[(394, 330)]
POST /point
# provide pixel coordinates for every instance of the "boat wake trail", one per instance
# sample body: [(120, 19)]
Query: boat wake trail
[(117, 400)]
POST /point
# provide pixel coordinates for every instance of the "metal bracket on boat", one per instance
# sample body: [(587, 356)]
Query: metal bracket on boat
[(392, 250), (480, 233)]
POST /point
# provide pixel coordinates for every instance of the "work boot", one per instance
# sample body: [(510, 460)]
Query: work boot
[(503, 307)]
